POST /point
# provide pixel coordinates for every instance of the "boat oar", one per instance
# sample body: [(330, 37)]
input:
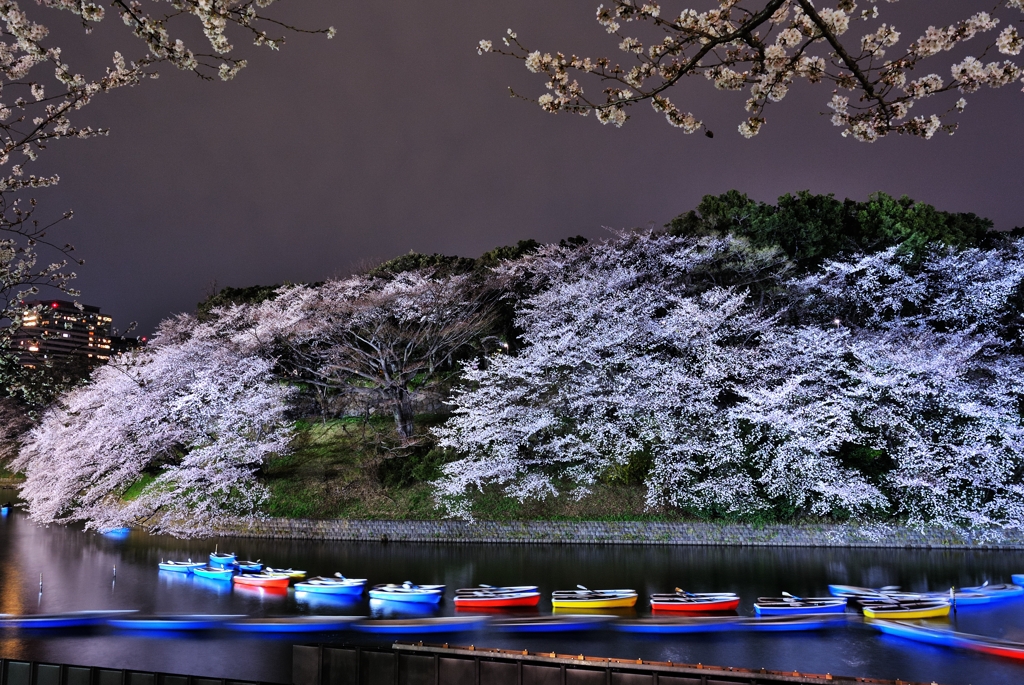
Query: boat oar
[(792, 598), (684, 592)]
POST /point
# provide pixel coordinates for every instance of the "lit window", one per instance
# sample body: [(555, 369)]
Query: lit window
[(33, 348)]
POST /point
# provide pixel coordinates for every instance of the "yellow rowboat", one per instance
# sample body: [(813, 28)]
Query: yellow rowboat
[(592, 599), (907, 610)]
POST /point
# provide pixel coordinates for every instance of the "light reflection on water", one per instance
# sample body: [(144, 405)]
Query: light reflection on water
[(78, 571)]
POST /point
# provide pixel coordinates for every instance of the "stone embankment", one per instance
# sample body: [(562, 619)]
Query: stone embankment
[(620, 532)]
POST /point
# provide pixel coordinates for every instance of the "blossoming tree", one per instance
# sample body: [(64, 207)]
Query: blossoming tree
[(765, 46), (879, 385), (169, 437)]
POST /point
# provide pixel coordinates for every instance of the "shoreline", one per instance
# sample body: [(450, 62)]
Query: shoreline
[(618, 532)]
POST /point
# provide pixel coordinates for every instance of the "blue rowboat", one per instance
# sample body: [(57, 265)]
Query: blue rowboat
[(1017, 578), (118, 533), (215, 572), (73, 619), (962, 597), (222, 558), (997, 591), (332, 586), (293, 624), (795, 606), (180, 566), (408, 592), (724, 624), (249, 566), (550, 624), (170, 622), (420, 626)]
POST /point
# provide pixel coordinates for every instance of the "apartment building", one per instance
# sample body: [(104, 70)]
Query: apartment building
[(53, 329)]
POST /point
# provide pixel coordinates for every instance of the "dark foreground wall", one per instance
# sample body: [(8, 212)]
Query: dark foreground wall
[(18, 672), (419, 664)]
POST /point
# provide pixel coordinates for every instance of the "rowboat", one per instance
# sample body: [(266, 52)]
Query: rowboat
[(293, 624), (722, 624), (694, 601), (170, 622), (222, 558), (592, 599), (961, 597), (332, 586), (857, 591), (290, 572), (949, 638), (487, 596), (181, 566), (902, 610), (420, 626), (997, 591), (249, 566), (1017, 578), (264, 579), (789, 605), (214, 572), (550, 624), (408, 592), (117, 533), (72, 619)]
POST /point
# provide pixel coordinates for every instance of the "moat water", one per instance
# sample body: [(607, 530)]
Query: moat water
[(77, 568)]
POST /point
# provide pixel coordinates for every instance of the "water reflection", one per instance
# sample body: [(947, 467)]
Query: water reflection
[(78, 571), (382, 608)]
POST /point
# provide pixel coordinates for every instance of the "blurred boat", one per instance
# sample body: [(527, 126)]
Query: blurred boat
[(170, 622), (691, 602), (550, 624), (249, 566), (293, 624), (487, 596), (722, 624), (408, 592), (592, 599), (788, 605), (420, 626), (949, 638), (72, 619), (214, 572), (180, 566), (265, 579)]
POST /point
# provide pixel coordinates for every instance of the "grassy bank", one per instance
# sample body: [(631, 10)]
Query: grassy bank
[(349, 468)]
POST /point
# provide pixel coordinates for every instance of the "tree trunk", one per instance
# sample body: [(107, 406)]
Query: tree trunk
[(402, 408)]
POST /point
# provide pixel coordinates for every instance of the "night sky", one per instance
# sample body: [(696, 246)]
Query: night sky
[(397, 136)]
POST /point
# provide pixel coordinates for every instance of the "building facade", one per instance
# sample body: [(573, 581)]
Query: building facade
[(58, 329)]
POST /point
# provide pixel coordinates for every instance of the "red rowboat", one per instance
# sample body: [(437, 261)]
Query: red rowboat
[(263, 579), (695, 601), (486, 596)]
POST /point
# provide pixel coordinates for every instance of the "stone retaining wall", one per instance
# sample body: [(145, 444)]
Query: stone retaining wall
[(615, 532)]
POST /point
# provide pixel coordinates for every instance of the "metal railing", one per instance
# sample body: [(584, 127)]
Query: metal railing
[(408, 663)]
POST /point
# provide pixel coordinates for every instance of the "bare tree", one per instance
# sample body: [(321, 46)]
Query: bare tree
[(389, 338)]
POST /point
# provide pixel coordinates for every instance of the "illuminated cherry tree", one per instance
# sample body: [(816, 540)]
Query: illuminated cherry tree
[(879, 75), (878, 386), (169, 437)]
